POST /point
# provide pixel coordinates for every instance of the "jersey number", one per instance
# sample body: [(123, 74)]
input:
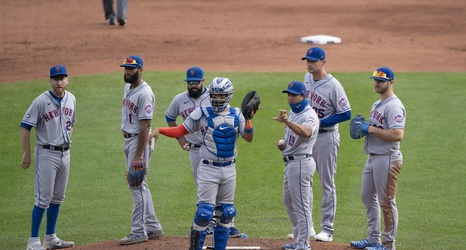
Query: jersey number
[(68, 125), (291, 140), (320, 112)]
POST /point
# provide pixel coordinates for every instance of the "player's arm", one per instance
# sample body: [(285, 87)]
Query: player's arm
[(299, 129), (26, 143), (336, 118), (181, 140), (142, 138), (248, 131), (391, 135)]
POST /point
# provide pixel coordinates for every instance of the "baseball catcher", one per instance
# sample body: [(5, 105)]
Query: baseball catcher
[(136, 173), (250, 104), (358, 127)]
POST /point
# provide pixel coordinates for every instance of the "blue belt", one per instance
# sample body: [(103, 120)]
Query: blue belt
[(219, 164), (288, 158), (62, 148)]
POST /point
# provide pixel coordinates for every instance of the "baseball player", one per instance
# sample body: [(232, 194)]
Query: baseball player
[(302, 126), (53, 114), (220, 126), (137, 112), (385, 130), (328, 99), (182, 105), (122, 9)]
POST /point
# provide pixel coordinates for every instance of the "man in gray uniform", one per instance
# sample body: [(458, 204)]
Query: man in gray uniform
[(385, 131), (327, 97), (302, 126), (53, 114), (137, 112)]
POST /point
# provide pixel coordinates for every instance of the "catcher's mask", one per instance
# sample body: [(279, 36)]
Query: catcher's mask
[(220, 86)]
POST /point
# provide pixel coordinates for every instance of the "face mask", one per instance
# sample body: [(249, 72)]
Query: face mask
[(298, 107)]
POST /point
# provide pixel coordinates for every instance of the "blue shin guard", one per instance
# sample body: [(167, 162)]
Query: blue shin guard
[(196, 239), (221, 236)]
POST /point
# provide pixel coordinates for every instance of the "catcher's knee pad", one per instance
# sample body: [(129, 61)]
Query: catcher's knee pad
[(204, 214), (221, 236), (228, 212)]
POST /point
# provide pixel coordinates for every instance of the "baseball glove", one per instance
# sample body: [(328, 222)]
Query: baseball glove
[(358, 127), (136, 173), (250, 104)]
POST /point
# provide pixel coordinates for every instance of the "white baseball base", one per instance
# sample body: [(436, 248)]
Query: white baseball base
[(320, 39)]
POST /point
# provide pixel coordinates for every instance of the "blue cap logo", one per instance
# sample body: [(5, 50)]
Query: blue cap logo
[(194, 74), (314, 54), (296, 88), (58, 70)]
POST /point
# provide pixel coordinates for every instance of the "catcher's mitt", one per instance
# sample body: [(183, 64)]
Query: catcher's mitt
[(358, 127), (250, 104), (136, 173)]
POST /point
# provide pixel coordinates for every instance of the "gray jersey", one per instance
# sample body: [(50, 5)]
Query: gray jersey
[(50, 118), (199, 120), (326, 96), (138, 104), (297, 145), (182, 105), (387, 114)]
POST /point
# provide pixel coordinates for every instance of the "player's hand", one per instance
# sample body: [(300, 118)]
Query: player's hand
[(282, 117), (154, 135), (26, 161), (184, 144)]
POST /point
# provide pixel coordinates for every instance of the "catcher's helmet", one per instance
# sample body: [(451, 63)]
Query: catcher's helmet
[(222, 86)]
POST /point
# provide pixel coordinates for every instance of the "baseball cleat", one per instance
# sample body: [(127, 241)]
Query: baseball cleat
[(154, 234), (362, 244), (111, 21), (35, 246), (133, 239), (57, 244), (235, 233), (323, 236), (377, 247)]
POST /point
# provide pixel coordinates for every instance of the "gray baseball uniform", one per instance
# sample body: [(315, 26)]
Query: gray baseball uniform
[(138, 104), (182, 105), (298, 173), (216, 185), (53, 122), (327, 97), (381, 170)]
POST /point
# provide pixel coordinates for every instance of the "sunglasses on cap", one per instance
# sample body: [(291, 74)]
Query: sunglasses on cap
[(380, 74), (193, 82), (130, 60)]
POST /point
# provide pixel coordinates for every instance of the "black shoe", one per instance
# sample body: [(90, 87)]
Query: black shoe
[(121, 21)]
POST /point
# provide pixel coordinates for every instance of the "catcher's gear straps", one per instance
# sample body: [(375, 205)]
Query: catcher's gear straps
[(204, 214), (174, 132), (224, 132)]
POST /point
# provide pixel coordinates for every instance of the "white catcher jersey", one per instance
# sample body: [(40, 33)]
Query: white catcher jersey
[(326, 96), (50, 117), (198, 121), (138, 104), (387, 114), (182, 105), (297, 145)]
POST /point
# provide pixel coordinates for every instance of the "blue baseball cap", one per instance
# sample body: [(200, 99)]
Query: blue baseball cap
[(296, 88), (194, 74), (58, 70), (133, 62), (314, 54), (384, 74)]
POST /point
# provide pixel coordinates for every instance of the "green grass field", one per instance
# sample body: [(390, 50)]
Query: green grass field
[(431, 199)]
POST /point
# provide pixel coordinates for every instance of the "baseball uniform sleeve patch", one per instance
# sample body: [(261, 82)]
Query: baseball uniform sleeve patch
[(149, 108), (399, 118), (342, 101)]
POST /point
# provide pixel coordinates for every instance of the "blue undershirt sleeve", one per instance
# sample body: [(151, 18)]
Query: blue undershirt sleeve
[(26, 126), (334, 119)]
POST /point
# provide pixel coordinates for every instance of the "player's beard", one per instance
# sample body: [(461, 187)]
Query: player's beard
[(382, 89), (195, 92), (131, 79)]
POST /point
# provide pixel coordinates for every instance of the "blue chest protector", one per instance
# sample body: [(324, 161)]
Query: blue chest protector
[(224, 131)]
